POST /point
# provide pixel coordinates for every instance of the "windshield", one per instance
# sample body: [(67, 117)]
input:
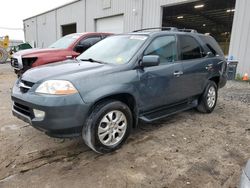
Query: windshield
[(66, 41), (115, 49)]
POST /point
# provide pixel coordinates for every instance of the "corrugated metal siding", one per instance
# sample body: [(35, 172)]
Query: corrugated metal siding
[(30, 30), (131, 9), (73, 13), (152, 11), (45, 29), (240, 39), (46, 23)]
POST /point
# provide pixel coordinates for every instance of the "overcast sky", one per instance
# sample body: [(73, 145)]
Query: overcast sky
[(12, 13)]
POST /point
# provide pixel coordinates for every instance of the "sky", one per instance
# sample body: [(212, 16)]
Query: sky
[(13, 12)]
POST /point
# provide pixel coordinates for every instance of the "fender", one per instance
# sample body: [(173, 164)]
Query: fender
[(106, 91)]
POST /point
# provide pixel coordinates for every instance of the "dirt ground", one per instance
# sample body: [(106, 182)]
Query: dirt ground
[(186, 150)]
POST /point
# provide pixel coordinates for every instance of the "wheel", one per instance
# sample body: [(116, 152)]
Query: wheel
[(208, 99), (108, 126)]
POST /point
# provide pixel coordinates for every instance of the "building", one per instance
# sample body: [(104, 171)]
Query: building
[(227, 20)]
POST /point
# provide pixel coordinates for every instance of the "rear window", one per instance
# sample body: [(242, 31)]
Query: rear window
[(212, 45), (189, 48)]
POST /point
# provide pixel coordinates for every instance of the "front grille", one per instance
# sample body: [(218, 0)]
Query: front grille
[(25, 86), (27, 62), (14, 62), (22, 109)]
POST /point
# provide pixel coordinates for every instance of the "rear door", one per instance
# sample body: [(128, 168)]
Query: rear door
[(194, 65), (158, 84)]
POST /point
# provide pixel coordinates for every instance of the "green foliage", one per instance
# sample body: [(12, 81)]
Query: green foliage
[(239, 77)]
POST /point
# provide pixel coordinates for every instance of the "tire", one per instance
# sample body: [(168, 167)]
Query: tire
[(208, 99), (99, 131), (3, 55)]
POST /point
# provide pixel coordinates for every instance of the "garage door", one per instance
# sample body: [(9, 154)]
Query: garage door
[(111, 24)]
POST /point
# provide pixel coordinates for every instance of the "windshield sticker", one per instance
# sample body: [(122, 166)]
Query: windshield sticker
[(138, 37)]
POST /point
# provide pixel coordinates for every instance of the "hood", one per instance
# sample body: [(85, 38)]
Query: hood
[(36, 52), (67, 70)]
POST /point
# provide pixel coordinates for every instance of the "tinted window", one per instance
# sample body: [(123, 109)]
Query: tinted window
[(86, 43), (189, 48), (91, 41), (164, 47), (212, 45)]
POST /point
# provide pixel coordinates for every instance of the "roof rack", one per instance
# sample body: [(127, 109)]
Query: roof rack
[(188, 30), (162, 28)]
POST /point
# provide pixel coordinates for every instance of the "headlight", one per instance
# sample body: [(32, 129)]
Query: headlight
[(56, 87)]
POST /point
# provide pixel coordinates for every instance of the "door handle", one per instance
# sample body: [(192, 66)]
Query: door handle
[(178, 73)]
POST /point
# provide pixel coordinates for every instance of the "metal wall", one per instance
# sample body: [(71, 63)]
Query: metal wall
[(44, 29), (240, 39), (137, 14), (46, 23), (129, 8)]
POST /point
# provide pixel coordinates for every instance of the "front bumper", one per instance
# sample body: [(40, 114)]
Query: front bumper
[(64, 115), (16, 62)]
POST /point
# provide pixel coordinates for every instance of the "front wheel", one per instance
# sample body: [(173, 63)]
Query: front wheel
[(108, 126), (208, 99)]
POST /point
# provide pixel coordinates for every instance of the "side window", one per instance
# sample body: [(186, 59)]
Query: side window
[(189, 48), (212, 45), (91, 40), (164, 47), (86, 43)]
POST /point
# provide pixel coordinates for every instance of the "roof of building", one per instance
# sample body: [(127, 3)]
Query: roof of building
[(64, 5)]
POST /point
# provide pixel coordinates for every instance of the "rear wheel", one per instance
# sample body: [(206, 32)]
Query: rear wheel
[(108, 126), (208, 99)]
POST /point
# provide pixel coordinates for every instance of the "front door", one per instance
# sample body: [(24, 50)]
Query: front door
[(159, 84)]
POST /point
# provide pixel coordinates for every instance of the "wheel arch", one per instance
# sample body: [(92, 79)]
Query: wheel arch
[(125, 98)]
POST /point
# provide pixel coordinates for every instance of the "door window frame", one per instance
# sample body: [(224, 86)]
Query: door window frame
[(202, 51), (176, 47)]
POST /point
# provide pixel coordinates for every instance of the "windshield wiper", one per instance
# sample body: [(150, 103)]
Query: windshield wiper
[(93, 61)]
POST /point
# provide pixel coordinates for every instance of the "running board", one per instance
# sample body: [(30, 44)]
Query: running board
[(167, 111)]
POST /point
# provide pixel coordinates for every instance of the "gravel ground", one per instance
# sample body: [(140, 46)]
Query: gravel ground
[(186, 150)]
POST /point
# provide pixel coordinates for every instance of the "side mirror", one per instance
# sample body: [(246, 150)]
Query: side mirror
[(209, 54), (150, 61)]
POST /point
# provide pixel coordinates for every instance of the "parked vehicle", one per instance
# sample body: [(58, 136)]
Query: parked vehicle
[(245, 177), (68, 47), (4, 45), (124, 78)]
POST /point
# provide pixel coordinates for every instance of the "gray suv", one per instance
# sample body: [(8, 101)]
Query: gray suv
[(144, 75)]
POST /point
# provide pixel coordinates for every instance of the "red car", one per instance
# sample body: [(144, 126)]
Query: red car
[(65, 48)]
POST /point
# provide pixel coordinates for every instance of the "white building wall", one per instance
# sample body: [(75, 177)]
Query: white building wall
[(73, 13), (30, 31), (44, 29), (130, 9), (152, 11), (45, 23), (240, 39)]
